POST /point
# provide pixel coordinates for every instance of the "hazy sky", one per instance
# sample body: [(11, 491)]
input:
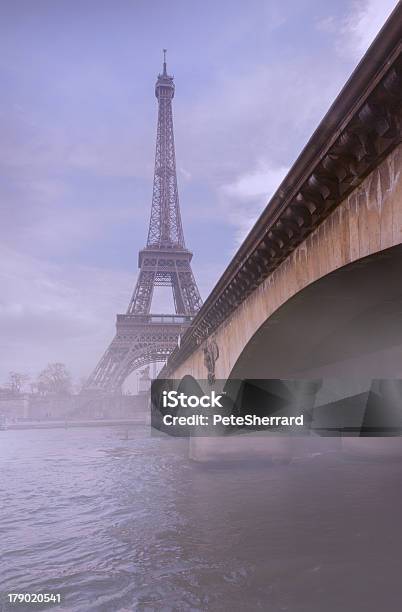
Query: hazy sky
[(78, 124)]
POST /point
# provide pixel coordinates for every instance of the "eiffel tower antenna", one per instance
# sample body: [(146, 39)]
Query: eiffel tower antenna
[(142, 337)]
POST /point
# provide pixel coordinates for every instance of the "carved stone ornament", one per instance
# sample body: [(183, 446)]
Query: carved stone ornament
[(211, 355)]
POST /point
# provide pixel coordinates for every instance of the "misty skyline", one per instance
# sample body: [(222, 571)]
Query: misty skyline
[(78, 123)]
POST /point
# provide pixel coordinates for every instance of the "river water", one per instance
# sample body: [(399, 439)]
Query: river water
[(115, 524)]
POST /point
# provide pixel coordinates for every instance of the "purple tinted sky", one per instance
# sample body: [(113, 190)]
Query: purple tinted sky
[(78, 122)]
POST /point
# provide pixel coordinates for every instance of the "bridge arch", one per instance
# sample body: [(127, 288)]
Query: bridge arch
[(346, 324)]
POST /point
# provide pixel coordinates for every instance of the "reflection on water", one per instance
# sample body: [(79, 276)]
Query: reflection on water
[(130, 524)]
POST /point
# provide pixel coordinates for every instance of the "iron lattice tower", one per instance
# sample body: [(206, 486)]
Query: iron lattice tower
[(142, 337)]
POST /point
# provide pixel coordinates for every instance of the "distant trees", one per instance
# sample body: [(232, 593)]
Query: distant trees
[(16, 382), (55, 378)]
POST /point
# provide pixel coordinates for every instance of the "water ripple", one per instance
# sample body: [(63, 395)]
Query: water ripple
[(117, 525)]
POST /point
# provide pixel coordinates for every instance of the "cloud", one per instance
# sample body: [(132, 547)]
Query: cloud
[(356, 31), (268, 110), (244, 199), (364, 23), (54, 313), (260, 182), (240, 135)]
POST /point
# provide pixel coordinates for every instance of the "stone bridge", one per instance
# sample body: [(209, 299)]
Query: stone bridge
[(315, 289)]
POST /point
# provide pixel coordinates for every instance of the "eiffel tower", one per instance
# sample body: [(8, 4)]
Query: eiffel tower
[(141, 337)]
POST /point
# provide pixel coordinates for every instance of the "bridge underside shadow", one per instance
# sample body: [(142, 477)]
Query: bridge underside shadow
[(347, 324)]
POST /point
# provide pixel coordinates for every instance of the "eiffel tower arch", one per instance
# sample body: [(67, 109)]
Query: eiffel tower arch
[(141, 336)]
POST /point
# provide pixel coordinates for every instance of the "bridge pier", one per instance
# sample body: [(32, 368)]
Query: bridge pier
[(285, 449), (244, 447)]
